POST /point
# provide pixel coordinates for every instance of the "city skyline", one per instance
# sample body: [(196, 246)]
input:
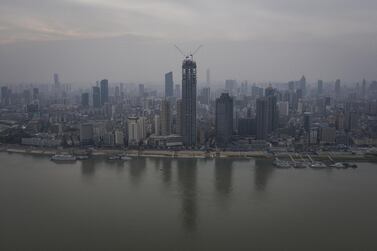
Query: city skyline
[(264, 41)]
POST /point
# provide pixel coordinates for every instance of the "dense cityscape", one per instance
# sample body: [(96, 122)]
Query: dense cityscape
[(298, 116)]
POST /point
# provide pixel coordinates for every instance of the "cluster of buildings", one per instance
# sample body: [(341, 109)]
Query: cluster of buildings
[(293, 116)]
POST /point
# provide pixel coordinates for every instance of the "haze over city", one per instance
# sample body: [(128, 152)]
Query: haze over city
[(133, 40), (188, 125)]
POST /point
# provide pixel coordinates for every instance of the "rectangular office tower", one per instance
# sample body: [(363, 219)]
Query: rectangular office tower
[(262, 118), (165, 118), (189, 102), (169, 85), (85, 99), (96, 97), (224, 119), (104, 91)]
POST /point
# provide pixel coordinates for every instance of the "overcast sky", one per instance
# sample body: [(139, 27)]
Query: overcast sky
[(133, 40)]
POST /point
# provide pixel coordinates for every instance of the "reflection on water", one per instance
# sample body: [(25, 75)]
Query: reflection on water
[(263, 172), (137, 169), (166, 170), (223, 176), (211, 204), (88, 168), (187, 171)]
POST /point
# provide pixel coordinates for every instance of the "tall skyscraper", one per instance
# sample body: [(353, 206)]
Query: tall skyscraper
[(35, 93), (178, 126), (189, 102), (165, 118), (169, 85), (104, 91), (272, 110), (85, 99), (56, 81), (224, 119), (363, 88), (141, 90), (4, 95), (177, 91), (96, 97), (337, 87), (204, 97), (320, 87), (262, 118), (303, 85), (307, 121), (291, 86)]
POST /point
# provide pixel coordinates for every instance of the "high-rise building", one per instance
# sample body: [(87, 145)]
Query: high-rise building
[(86, 134), (246, 126), (141, 90), (85, 99), (104, 91), (272, 110), (4, 95), (165, 118), (35, 93), (56, 81), (204, 97), (231, 86), (177, 91), (337, 87), (136, 130), (307, 121), (178, 126), (320, 87), (303, 86), (189, 102), (283, 108), (157, 125), (291, 86), (224, 119), (119, 137), (262, 118), (169, 85), (256, 91), (96, 97), (363, 88)]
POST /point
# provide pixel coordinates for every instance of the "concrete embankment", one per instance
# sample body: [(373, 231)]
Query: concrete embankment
[(103, 153)]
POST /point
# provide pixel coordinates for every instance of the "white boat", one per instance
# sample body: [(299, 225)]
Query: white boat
[(63, 157), (281, 163), (125, 158), (114, 157), (338, 165), (318, 165)]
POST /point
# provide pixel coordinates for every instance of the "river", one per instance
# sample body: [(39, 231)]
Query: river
[(184, 204)]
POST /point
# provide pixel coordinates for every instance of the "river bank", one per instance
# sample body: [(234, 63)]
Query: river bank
[(104, 153)]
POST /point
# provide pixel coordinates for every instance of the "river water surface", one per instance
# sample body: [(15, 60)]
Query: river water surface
[(184, 204)]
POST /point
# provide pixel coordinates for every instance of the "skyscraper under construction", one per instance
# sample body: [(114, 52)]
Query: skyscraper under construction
[(189, 101)]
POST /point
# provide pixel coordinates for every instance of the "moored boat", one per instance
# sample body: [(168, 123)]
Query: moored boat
[(63, 157), (318, 165), (82, 157), (124, 157)]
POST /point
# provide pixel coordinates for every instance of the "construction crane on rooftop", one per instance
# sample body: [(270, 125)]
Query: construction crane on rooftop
[(189, 55)]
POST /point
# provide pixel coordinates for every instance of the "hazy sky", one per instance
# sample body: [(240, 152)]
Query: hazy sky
[(133, 40)]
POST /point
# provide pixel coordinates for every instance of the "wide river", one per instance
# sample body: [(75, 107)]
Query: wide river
[(184, 204)]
